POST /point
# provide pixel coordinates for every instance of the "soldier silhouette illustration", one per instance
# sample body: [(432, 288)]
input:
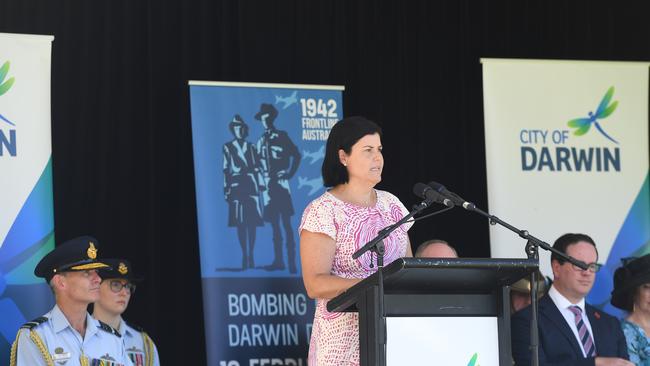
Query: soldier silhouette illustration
[(241, 186), (279, 159)]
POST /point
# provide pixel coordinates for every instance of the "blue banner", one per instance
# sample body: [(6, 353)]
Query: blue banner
[(258, 150)]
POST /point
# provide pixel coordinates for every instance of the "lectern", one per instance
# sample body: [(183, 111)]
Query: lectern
[(442, 311)]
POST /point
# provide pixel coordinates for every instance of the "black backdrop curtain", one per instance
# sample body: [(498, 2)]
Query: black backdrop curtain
[(122, 149)]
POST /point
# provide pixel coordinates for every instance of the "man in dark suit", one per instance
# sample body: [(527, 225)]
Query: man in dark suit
[(571, 332)]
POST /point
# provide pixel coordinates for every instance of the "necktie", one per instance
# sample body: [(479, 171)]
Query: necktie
[(583, 332)]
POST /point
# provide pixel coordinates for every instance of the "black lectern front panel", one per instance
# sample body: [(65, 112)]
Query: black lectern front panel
[(433, 287)]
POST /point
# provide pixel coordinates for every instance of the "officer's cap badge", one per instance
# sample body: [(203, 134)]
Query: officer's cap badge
[(92, 251)]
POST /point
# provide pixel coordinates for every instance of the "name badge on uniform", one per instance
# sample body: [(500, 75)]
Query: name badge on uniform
[(60, 356)]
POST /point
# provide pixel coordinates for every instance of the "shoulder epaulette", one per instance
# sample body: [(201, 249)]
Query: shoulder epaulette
[(134, 326), (107, 328), (34, 323)]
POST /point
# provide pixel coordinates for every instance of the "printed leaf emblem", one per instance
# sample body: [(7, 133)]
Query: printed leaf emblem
[(5, 85)]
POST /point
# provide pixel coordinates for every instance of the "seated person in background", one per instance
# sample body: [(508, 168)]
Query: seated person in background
[(571, 332), (632, 294), (520, 292), (435, 248), (115, 291)]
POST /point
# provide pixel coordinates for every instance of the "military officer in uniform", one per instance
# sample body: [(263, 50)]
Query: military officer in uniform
[(118, 285), (279, 158), (68, 335)]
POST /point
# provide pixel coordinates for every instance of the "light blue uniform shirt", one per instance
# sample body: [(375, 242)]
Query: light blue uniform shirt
[(135, 347), (66, 346)]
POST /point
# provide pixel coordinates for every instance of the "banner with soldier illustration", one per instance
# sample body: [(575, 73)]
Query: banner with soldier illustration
[(258, 150)]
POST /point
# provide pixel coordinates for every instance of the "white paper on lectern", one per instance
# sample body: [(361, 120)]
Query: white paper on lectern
[(448, 341)]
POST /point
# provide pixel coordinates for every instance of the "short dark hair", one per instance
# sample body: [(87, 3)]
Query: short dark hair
[(343, 135), (564, 241)]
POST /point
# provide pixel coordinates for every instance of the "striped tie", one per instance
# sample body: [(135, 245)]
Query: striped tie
[(583, 332)]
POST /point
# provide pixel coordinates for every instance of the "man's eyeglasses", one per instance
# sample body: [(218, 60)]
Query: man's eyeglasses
[(116, 286), (591, 267)]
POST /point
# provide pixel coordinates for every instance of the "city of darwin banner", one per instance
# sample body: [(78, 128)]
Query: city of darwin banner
[(26, 206), (258, 150), (567, 152)]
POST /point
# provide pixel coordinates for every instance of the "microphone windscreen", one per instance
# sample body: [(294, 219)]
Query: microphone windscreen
[(419, 189)]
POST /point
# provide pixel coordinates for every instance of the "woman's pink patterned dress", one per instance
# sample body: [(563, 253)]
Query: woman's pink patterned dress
[(335, 336)]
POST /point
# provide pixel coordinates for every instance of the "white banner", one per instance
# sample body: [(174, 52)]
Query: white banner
[(26, 217), (25, 138), (447, 340), (567, 151)]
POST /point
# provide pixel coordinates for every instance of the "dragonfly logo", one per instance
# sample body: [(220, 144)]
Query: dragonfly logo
[(552, 150), (582, 125), (7, 140)]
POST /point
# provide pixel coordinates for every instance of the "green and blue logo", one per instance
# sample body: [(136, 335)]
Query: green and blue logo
[(7, 142), (582, 125), (5, 85), (552, 150), (473, 360)]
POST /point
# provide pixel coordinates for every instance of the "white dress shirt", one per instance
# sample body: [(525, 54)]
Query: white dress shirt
[(563, 305)]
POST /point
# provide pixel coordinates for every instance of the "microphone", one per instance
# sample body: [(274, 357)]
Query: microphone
[(428, 193), (456, 199)]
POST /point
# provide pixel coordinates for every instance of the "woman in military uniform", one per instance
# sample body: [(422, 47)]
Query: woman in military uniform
[(117, 286), (241, 186)]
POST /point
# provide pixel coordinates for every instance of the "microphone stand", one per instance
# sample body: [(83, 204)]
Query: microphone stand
[(532, 251), (376, 245)]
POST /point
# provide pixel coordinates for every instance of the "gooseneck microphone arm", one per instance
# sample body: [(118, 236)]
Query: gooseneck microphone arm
[(532, 242), (532, 245)]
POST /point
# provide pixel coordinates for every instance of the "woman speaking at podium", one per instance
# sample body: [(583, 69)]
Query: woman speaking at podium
[(337, 224)]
